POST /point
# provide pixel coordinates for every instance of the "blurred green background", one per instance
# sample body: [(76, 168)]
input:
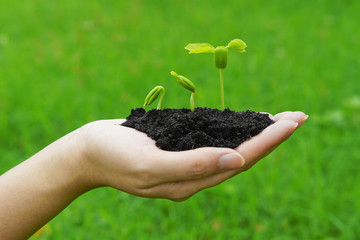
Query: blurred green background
[(66, 63)]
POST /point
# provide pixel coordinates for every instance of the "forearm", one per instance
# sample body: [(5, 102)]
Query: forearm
[(35, 191)]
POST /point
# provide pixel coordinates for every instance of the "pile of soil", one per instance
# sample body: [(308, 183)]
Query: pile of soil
[(182, 129)]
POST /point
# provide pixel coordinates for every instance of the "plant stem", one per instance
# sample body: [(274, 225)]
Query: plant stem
[(222, 89), (161, 99), (192, 101)]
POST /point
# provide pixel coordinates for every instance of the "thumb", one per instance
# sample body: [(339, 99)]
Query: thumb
[(197, 163)]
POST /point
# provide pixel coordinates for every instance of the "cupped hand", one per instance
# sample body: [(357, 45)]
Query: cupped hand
[(104, 153), (128, 160)]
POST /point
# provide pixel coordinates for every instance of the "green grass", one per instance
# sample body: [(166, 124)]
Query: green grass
[(63, 64)]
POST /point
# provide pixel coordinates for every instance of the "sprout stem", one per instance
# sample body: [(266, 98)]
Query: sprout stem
[(222, 89), (192, 101), (161, 99)]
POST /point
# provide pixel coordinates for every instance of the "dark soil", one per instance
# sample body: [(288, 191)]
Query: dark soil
[(181, 129)]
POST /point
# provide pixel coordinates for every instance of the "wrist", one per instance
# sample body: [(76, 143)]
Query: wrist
[(73, 159), (65, 165), (88, 174)]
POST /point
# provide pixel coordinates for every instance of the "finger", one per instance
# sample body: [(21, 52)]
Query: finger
[(182, 190), (252, 150), (276, 117), (195, 164), (297, 116), (262, 144)]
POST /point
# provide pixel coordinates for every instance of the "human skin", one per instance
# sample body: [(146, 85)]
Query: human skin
[(103, 153)]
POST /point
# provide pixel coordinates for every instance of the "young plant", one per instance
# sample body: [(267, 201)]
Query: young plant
[(186, 83), (220, 57), (153, 94)]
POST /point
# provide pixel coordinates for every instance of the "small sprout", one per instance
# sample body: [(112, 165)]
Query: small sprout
[(153, 94), (186, 83), (220, 52), (220, 56)]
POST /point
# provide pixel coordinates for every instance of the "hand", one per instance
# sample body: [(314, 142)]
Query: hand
[(128, 160), (103, 153)]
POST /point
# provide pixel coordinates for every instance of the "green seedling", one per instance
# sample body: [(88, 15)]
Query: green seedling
[(220, 57), (186, 83), (153, 94)]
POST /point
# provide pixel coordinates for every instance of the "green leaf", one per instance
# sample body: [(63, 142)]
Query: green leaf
[(200, 48), (185, 82), (237, 44)]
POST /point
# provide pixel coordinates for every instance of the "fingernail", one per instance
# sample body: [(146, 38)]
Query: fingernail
[(231, 161)]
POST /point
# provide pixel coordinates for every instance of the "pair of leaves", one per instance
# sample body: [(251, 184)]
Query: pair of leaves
[(220, 52), (236, 44)]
